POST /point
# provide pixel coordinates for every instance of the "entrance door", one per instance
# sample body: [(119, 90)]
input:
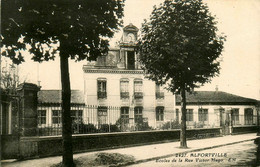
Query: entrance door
[(130, 60)]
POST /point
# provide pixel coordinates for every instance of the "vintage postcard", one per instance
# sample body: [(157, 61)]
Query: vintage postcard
[(130, 83)]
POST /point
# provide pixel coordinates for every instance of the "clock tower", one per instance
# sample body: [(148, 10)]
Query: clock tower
[(127, 44)]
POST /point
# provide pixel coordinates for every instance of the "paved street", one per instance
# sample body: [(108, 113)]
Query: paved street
[(241, 154), (153, 152)]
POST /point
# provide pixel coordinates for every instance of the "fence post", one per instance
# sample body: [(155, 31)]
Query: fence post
[(257, 117), (108, 116), (28, 112)]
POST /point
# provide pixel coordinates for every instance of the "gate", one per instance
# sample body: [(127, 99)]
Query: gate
[(10, 107)]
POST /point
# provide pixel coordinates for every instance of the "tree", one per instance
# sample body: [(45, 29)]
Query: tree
[(78, 28), (9, 78), (179, 47)]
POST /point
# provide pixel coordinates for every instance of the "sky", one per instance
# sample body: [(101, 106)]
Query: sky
[(240, 68)]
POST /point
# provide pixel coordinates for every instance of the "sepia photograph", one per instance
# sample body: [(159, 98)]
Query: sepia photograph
[(135, 83)]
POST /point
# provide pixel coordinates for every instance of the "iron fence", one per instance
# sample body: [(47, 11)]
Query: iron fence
[(87, 119)]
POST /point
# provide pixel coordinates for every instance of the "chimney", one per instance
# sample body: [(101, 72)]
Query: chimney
[(216, 89)]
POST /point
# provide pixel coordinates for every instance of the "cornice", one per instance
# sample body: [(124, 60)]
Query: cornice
[(127, 44), (113, 71)]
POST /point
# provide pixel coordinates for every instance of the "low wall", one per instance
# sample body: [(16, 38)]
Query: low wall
[(244, 129), (9, 147), (32, 147)]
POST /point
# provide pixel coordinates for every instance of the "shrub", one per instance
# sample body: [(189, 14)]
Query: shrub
[(142, 126), (108, 128), (198, 125), (171, 125), (123, 124)]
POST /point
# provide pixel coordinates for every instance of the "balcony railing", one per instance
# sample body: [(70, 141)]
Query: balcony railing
[(124, 95), (102, 95), (159, 95), (138, 95)]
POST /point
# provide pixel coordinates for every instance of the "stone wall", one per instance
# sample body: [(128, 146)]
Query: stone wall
[(244, 129), (31, 147)]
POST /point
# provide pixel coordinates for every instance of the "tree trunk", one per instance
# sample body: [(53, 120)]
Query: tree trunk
[(183, 140), (67, 154)]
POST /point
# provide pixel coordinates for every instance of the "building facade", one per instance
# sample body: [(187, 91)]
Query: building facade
[(209, 109), (118, 80), (117, 94)]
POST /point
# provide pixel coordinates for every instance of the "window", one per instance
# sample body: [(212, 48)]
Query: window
[(41, 117), (56, 116), (221, 116), (138, 89), (102, 114), (76, 116), (177, 115), (159, 94), (102, 88), (235, 116), (159, 113), (203, 114), (125, 114), (189, 115), (138, 114), (131, 60), (124, 86), (217, 115), (248, 116)]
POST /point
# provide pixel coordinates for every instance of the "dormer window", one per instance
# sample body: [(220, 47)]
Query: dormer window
[(130, 60)]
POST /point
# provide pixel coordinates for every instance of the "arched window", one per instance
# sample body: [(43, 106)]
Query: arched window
[(101, 88), (159, 113), (124, 88), (138, 114), (159, 94), (138, 88), (124, 114)]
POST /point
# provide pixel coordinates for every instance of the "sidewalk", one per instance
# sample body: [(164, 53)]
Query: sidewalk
[(147, 152)]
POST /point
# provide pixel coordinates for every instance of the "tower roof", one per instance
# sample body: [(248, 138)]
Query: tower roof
[(130, 27)]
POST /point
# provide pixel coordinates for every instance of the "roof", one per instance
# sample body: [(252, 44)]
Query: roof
[(130, 27), (54, 96), (214, 97), (197, 97)]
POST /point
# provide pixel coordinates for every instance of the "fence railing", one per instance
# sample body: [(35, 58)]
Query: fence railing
[(87, 119)]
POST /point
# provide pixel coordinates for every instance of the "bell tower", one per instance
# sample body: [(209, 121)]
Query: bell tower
[(127, 44)]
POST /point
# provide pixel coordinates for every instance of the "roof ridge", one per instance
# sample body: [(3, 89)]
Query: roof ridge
[(215, 97)]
